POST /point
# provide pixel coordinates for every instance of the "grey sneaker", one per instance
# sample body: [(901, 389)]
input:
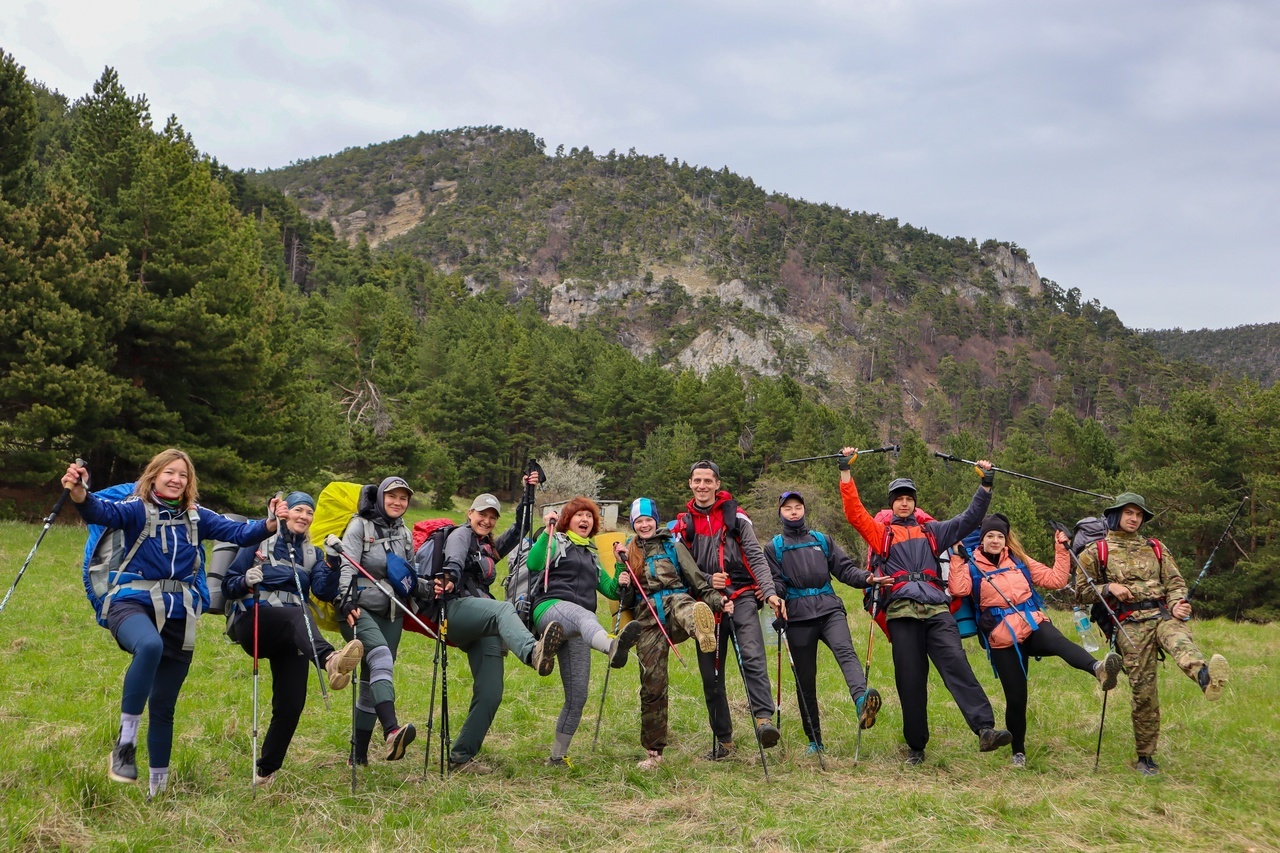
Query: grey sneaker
[(562, 762), (1019, 759), (622, 644), (124, 763), (992, 739), (543, 659), (1108, 669)]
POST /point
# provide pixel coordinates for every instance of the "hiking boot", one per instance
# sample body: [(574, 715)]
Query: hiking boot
[(767, 732), (342, 663), (264, 781), (361, 761), (652, 762), (815, 748), (992, 739), (1146, 766), (471, 765), (868, 705), (915, 757), (1213, 677), (704, 627), (721, 751), (543, 658), (562, 761), (1107, 670), (398, 740), (622, 644), (1019, 759), (124, 763)]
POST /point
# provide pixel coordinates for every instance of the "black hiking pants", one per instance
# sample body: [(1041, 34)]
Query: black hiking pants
[(915, 642), (802, 638), (1009, 662), (283, 643)]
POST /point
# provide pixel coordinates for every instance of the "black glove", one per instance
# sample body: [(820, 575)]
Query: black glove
[(779, 625), (846, 461), (348, 604), (989, 477)]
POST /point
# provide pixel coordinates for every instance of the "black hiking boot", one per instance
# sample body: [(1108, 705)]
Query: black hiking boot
[(915, 757), (721, 751), (1146, 766), (767, 732), (124, 763), (623, 643), (993, 739)]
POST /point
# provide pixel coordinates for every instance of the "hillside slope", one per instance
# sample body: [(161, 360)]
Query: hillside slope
[(1251, 352)]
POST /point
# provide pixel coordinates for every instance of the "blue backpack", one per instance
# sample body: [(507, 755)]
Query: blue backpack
[(989, 618), (820, 540)]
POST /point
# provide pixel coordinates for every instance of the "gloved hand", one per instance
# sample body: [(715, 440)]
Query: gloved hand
[(332, 545), (348, 604), (988, 477), (253, 577), (848, 455), (779, 625)]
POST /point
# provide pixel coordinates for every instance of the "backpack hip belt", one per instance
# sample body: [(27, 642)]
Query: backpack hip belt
[(657, 597), (157, 589), (272, 598), (806, 592), (1126, 611)]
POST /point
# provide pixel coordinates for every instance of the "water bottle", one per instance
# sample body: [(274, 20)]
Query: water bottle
[(1084, 629)]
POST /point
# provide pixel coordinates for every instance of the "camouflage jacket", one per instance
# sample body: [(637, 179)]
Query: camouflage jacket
[(1132, 563)]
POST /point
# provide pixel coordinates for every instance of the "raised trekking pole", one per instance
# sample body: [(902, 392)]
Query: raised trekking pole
[(952, 458), (617, 622), (1207, 563), (866, 670), (446, 741), (888, 448), (804, 709), (335, 543), (742, 670), (254, 779), (48, 522)]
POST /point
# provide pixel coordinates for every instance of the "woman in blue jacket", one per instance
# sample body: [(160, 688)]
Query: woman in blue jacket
[(275, 578), (156, 594)]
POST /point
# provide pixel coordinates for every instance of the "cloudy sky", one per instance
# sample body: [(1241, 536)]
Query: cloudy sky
[(1133, 148)]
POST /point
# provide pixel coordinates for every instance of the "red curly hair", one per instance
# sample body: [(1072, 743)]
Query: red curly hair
[(575, 506)]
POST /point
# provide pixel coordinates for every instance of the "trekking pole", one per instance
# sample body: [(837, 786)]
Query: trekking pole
[(1205, 569), (617, 623), (778, 701), (733, 641), (446, 741), (866, 670), (335, 543), (254, 778), (636, 581), (804, 709), (48, 522), (431, 712), (888, 448), (1097, 753), (951, 458), (1102, 596)]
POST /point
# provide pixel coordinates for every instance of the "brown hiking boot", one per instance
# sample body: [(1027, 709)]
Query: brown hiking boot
[(471, 765), (543, 658), (704, 627), (1218, 672), (1108, 669), (767, 732), (342, 663)]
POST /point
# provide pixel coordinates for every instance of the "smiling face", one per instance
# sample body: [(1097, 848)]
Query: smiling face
[(1131, 518), (704, 484), (482, 521), (298, 519), (792, 509), (395, 503), (644, 526), (993, 542), (171, 482)]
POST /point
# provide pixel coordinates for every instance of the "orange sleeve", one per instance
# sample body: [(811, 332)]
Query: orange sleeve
[(868, 528), (1051, 578), (959, 584)]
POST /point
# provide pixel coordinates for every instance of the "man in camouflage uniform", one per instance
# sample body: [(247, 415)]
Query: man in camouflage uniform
[(1143, 586)]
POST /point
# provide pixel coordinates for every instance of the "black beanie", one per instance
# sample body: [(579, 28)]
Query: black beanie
[(995, 521)]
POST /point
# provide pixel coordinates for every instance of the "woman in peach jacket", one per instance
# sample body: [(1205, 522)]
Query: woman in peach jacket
[(1011, 622)]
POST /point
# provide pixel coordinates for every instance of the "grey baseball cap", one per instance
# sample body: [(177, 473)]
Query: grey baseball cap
[(486, 501)]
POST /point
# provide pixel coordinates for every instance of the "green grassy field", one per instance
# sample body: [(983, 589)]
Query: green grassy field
[(59, 708)]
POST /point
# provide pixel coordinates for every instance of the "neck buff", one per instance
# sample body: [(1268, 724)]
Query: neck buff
[(579, 540), (796, 526), (175, 503)]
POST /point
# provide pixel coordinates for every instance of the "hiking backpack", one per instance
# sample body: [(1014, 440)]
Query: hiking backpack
[(682, 525), (337, 504), (873, 593), (223, 555), (104, 570), (819, 540)]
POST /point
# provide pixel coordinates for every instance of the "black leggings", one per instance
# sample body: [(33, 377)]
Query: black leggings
[(1045, 641)]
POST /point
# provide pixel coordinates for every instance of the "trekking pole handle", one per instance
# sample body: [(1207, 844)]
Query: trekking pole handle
[(66, 493), (888, 448)]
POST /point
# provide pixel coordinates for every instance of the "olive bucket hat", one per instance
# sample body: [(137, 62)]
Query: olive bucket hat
[(1131, 499)]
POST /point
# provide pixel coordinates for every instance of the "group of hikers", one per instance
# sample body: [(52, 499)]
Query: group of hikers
[(704, 575)]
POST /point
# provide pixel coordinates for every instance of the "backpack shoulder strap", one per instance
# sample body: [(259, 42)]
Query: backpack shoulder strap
[(1158, 547), (777, 549), (823, 541)]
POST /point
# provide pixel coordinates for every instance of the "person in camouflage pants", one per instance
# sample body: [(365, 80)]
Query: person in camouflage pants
[(1143, 586), (683, 601)]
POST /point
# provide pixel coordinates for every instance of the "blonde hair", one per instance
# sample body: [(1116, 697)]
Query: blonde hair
[(147, 482), (1014, 544)]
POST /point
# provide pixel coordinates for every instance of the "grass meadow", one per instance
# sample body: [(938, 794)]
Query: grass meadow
[(59, 709)]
